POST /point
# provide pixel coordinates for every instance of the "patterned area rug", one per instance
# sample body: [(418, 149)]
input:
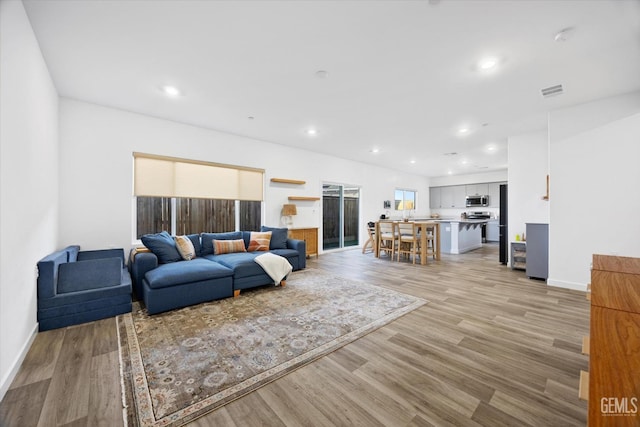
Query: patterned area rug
[(180, 365)]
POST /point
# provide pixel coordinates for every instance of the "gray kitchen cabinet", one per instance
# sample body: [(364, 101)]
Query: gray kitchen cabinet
[(477, 189), (494, 194), (446, 197), (537, 236), (493, 232), (434, 197), (459, 196)]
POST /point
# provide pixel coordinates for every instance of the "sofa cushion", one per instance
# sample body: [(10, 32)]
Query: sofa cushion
[(278, 237), (185, 247), (178, 273), (163, 246), (228, 246), (208, 238), (259, 241), (91, 274), (242, 264)]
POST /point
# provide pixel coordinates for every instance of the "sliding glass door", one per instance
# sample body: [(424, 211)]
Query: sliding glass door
[(340, 216)]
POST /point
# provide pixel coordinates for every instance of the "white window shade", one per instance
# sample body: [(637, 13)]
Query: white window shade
[(156, 176)]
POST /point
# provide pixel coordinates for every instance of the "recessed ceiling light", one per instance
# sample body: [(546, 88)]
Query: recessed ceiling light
[(464, 161), (488, 63), (464, 130), (413, 162), (449, 172), (322, 74), (375, 150), (170, 90), (312, 132), (491, 148)]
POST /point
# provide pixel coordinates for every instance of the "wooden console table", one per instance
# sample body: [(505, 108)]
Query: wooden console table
[(310, 237), (614, 342)]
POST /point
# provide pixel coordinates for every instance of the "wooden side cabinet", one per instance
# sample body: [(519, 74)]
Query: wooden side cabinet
[(310, 237), (614, 344)]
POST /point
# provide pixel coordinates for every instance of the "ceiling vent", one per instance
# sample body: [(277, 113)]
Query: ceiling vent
[(552, 91)]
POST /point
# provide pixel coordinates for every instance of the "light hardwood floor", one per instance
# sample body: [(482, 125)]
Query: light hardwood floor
[(491, 348)]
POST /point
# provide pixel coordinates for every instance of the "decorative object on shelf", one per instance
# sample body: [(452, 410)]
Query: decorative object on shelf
[(304, 198), (288, 211), (288, 181)]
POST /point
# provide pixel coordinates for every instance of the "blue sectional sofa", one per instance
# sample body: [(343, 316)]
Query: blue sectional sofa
[(165, 281), (80, 286)]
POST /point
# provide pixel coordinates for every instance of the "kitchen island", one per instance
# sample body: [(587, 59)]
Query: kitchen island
[(461, 235)]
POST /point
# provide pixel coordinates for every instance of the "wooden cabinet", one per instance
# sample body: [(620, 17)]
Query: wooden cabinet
[(614, 344), (310, 237)]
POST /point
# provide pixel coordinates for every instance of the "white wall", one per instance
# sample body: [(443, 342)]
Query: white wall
[(528, 169), (28, 182), (594, 152), (96, 145)]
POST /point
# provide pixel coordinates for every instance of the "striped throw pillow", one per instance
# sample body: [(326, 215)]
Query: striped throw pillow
[(259, 241), (185, 247), (228, 246)]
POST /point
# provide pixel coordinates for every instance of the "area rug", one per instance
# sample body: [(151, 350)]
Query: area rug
[(180, 365)]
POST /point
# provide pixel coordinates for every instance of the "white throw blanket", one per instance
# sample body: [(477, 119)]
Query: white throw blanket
[(275, 266)]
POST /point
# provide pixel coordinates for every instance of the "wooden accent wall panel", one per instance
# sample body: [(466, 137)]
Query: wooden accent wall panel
[(614, 353)]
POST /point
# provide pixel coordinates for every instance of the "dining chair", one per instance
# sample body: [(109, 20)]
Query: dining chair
[(387, 238), (372, 241), (409, 240)]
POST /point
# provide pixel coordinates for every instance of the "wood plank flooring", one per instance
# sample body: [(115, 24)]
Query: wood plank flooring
[(492, 348)]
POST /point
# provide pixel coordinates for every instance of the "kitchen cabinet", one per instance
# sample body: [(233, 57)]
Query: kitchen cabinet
[(310, 237), (459, 196), (494, 194), (537, 250), (477, 189), (446, 197), (434, 197), (493, 231)]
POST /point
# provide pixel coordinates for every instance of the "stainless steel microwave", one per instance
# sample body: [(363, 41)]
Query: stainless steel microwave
[(476, 201)]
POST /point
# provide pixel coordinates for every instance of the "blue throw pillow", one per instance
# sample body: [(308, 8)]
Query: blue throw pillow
[(278, 237), (208, 238), (163, 246)]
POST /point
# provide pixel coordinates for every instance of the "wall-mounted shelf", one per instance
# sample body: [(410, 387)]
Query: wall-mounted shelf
[(301, 198), (288, 181)]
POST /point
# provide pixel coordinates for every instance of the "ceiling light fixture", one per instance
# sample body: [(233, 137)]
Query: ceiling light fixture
[(312, 132), (375, 150), (488, 63), (322, 74), (413, 162), (463, 130), (171, 90), (564, 34)]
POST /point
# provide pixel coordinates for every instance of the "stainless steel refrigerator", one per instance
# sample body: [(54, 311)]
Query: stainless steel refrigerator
[(502, 225)]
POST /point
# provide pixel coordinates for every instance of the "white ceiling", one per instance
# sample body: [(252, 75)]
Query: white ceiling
[(402, 77)]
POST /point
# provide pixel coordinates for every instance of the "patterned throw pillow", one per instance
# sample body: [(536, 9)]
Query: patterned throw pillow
[(228, 246), (185, 247), (259, 241)]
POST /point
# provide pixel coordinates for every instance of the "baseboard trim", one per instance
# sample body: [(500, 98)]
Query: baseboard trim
[(567, 285), (15, 366)]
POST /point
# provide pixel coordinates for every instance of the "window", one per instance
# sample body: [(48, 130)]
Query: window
[(189, 197), (405, 200)]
